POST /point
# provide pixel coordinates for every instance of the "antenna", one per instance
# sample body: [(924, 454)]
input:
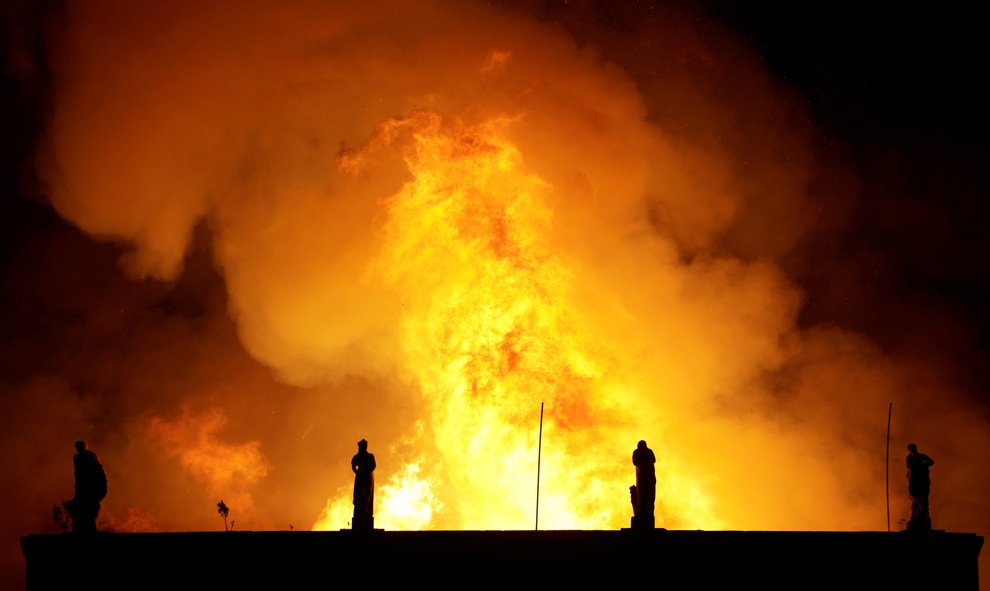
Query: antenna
[(890, 410), (539, 453)]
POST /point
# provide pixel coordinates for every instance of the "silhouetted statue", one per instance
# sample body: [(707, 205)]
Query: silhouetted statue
[(363, 465), (919, 487), (646, 486), (91, 488)]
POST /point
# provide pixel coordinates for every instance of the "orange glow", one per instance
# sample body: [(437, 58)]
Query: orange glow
[(224, 469), (490, 330), (415, 223)]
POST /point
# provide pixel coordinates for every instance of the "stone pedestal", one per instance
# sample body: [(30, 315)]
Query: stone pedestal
[(363, 522)]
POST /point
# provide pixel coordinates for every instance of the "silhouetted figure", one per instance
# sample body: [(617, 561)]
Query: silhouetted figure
[(646, 486), (919, 487), (363, 465), (91, 488)]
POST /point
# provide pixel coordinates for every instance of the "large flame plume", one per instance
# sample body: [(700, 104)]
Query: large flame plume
[(491, 330), (420, 223)]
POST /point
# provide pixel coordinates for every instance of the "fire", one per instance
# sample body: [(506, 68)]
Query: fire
[(221, 467), (527, 213), (408, 501), (490, 331)]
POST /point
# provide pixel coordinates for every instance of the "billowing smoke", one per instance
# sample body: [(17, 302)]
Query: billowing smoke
[(416, 223)]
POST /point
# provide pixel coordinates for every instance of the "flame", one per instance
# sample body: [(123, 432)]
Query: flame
[(225, 469), (491, 333), (408, 501)]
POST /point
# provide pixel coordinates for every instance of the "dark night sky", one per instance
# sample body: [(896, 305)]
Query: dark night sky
[(901, 87), (899, 92)]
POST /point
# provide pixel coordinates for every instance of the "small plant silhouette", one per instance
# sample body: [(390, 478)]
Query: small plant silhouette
[(224, 512), (60, 514)]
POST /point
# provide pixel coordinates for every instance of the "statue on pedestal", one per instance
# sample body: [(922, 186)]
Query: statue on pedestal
[(363, 466), (643, 495)]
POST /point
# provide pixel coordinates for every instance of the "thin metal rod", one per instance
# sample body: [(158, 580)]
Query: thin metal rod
[(890, 410), (539, 454)]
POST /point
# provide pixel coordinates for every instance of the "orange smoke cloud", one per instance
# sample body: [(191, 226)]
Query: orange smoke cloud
[(226, 470), (431, 219)]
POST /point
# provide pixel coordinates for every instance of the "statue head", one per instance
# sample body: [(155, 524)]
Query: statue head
[(912, 448), (80, 445), (363, 444), (641, 444)]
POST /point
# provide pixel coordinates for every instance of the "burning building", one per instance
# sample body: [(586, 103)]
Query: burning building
[(288, 226)]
